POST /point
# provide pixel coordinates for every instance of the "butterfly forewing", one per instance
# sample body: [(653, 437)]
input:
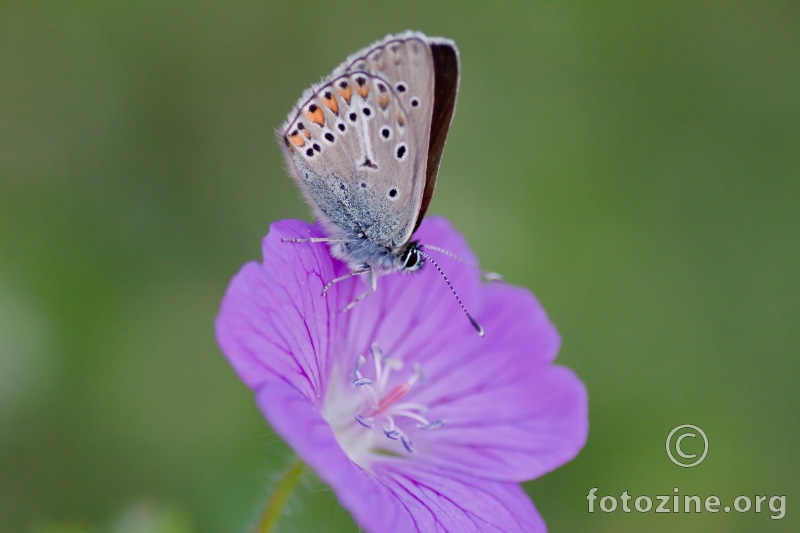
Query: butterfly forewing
[(358, 142)]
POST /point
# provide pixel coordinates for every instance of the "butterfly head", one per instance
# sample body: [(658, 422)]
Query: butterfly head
[(411, 258)]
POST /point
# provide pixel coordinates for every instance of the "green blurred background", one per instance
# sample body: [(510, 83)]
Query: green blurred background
[(635, 164)]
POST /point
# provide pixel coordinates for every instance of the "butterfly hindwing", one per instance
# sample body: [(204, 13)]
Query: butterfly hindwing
[(358, 143)]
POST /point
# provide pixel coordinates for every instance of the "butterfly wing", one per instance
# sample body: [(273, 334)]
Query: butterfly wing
[(445, 67), (357, 143)]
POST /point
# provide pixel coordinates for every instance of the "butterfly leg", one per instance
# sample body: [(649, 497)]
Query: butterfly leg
[(373, 285), (312, 239), (356, 272)]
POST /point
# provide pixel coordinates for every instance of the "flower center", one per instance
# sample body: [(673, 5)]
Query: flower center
[(371, 402)]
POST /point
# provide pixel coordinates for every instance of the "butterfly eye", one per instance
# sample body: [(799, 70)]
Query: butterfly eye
[(411, 259)]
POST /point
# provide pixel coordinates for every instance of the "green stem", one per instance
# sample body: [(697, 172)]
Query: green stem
[(281, 493)]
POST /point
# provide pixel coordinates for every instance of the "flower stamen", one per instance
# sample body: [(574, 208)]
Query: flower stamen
[(436, 424), (407, 444), (386, 405), (368, 423)]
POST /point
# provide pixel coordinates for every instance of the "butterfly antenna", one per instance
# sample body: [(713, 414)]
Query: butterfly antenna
[(472, 321), (490, 276)]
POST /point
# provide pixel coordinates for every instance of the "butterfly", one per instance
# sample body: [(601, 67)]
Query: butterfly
[(364, 146)]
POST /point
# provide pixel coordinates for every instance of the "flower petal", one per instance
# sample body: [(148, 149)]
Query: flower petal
[(509, 414), (451, 501), (273, 321), (514, 431)]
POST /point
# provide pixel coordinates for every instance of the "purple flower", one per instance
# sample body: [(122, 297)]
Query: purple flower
[(415, 421)]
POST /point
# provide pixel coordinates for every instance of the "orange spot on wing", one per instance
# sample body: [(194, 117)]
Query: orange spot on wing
[(297, 140), (383, 100), (307, 134), (315, 115), (332, 103), (346, 93), (363, 90), (400, 120), (377, 59)]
